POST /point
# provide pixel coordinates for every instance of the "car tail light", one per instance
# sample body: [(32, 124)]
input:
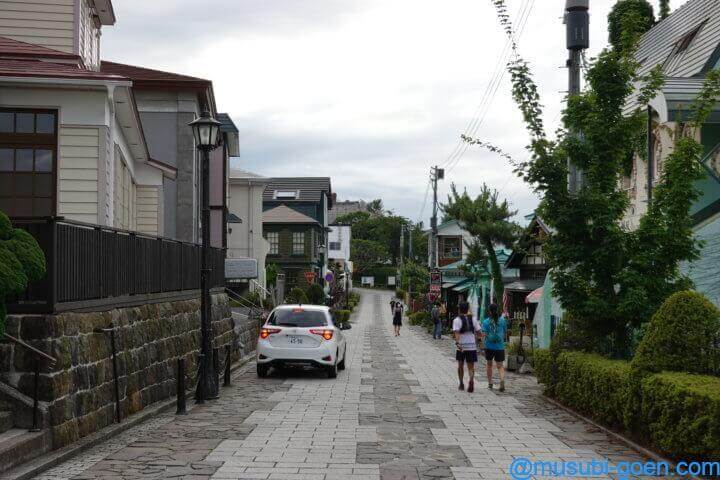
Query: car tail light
[(325, 333), (266, 332)]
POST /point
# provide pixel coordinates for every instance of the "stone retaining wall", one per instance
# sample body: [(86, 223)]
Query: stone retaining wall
[(78, 391)]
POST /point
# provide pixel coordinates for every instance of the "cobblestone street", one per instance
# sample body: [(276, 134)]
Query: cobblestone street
[(395, 413)]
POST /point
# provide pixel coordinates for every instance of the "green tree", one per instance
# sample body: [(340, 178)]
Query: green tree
[(489, 221), (664, 8), (21, 262), (628, 19), (381, 227), (367, 253), (271, 273), (608, 277), (415, 277)]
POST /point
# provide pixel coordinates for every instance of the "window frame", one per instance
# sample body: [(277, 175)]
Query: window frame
[(35, 142), (273, 239), (296, 243)]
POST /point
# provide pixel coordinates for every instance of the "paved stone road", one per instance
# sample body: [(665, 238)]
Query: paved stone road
[(395, 413)]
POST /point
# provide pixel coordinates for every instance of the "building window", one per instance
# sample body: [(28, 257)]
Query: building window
[(28, 159), (680, 49), (298, 243), (335, 246), (273, 239), (286, 194), (451, 247)]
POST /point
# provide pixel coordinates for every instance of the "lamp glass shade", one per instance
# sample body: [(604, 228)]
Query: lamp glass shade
[(205, 130)]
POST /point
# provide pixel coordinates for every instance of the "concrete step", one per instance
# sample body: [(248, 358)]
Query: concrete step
[(17, 445), (6, 421)]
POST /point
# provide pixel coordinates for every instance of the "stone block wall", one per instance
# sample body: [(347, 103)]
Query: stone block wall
[(247, 330), (78, 392)]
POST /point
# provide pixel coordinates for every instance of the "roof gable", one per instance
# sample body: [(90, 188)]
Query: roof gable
[(284, 214), (671, 42)]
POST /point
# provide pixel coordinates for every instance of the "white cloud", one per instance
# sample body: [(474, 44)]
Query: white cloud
[(371, 93)]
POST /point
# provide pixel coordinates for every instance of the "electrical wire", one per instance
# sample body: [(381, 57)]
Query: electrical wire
[(424, 204), (494, 85)]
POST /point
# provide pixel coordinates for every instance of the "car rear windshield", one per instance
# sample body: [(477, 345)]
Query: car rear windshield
[(298, 317)]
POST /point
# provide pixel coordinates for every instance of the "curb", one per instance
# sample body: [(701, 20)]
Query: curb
[(49, 460), (621, 438)]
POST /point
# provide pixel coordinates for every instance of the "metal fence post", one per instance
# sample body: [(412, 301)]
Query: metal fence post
[(181, 399), (36, 393), (118, 416), (228, 358), (216, 365), (199, 390)]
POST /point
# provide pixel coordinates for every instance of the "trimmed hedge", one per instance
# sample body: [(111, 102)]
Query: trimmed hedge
[(681, 337), (593, 385), (419, 318), (342, 316), (542, 366), (681, 414)]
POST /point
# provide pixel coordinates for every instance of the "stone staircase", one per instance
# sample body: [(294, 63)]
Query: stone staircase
[(17, 443)]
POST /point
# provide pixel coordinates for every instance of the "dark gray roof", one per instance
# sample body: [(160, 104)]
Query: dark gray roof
[(657, 45), (310, 189), (227, 124)]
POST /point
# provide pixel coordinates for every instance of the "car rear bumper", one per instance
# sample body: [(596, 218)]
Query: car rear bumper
[(323, 355)]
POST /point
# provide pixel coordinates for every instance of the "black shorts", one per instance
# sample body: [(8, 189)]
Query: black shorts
[(497, 355), (468, 356), (397, 320)]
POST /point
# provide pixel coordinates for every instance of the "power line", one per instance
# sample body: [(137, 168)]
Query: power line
[(495, 83), (424, 204)]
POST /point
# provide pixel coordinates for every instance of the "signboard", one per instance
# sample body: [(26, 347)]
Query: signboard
[(391, 281), (310, 277), (435, 276), (435, 289), (368, 281), (241, 268), (432, 297)]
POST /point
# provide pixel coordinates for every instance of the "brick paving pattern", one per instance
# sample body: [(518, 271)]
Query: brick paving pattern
[(395, 413)]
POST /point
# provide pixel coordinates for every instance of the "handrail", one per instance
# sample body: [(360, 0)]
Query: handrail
[(32, 349), (241, 298)]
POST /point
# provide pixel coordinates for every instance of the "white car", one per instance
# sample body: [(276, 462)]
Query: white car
[(301, 335)]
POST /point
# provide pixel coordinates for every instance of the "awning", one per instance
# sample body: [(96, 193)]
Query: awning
[(462, 286), (534, 296), (527, 285)]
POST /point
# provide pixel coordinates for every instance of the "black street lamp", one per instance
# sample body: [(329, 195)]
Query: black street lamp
[(205, 130)]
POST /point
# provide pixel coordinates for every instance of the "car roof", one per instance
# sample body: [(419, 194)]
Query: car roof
[(319, 308)]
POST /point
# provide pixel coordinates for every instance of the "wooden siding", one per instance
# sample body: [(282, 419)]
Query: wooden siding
[(49, 23), (78, 173), (148, 210), (124, 189)]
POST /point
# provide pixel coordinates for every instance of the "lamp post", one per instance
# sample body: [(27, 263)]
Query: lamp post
[(321, 262), (206, 131)]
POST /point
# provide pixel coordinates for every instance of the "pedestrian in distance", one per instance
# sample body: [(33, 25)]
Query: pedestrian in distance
[(397, 317), (494, 328), (437, 321), (467, 332)]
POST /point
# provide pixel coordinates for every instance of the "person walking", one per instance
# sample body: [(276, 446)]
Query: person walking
[(397, 317), (437, 321), (392, 305), (466, 331), (494, 328), (443, 314)]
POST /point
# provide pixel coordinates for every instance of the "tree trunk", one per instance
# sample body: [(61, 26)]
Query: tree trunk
[(496, 271)]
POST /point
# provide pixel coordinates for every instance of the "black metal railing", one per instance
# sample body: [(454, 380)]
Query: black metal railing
[(92, 266), (39, 357)]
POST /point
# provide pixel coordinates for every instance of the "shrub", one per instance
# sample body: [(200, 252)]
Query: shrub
[(594, 385), (21, 262), (681, 336), (542, 366), (681, 415), (400, 293), (296, 295), (316, 294), (419, 318), (342, 316)]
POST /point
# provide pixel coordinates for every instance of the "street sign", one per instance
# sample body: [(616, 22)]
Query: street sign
[(435, 276), (435, 288), (329, 277), (310, 277), (241, 268)]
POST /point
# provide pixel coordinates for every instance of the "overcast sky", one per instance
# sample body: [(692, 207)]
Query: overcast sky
[(369, 92)]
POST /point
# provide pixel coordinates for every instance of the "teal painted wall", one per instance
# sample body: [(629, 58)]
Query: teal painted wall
[(705, 272)]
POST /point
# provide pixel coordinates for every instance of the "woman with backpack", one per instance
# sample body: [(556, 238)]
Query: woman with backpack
[(494, 328), (397, 317), (466, 331)]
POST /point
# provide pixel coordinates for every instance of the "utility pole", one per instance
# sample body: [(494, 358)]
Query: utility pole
[(410, 256), (577, 22), (437, 174)]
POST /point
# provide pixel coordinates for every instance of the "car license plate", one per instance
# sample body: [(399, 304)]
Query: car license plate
[(295, 340)]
